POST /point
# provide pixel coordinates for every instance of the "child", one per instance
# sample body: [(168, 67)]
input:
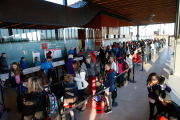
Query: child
[(109, 82), (70, 87), (152, 86), (113, 64), (22, 63)]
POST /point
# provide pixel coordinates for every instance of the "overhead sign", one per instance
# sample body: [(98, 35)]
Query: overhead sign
[(44, 46), (56, 53)]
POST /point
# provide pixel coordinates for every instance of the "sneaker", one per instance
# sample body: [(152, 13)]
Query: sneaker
[(107, 111)]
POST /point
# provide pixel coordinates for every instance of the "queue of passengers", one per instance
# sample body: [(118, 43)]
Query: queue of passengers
[(80, 76)]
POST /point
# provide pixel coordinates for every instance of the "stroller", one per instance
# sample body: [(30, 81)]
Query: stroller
[(99, 100)]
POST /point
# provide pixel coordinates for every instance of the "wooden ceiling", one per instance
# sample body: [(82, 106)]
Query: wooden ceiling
[(139, 11)]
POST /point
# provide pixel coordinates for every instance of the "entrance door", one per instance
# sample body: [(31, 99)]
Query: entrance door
[(82, 37)]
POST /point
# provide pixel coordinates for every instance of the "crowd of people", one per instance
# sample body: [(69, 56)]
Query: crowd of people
[(80, 79)]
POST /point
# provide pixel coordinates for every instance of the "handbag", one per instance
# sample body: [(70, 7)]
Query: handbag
[(125, 65)]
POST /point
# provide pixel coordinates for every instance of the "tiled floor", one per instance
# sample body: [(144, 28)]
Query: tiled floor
[(132, 98)]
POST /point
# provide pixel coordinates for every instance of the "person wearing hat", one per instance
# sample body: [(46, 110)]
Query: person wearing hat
[(130, 64)]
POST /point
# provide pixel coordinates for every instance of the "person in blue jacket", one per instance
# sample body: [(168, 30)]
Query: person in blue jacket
[(22, 63), (157, 46), (71, 51), (109, 83), (47, 65), (37, 62)]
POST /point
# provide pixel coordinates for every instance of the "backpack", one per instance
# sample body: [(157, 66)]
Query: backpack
[(86, 76), (69, 97), (19, 64), (120, 64), (53, 104)]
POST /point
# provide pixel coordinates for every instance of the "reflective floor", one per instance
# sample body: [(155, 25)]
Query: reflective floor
[(132, 98)]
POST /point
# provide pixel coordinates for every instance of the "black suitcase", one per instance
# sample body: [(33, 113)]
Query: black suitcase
[(19, 101), (114, 93)]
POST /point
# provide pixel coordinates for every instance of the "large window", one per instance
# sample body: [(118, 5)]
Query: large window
[(56, 1), (76, 3)]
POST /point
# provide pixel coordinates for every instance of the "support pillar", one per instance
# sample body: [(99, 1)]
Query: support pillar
[(137, 32)]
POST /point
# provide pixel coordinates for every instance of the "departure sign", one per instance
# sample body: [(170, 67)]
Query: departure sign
[(44, 46)]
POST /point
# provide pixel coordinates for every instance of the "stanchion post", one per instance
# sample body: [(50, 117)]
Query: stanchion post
[(132, 81), (142, 58)]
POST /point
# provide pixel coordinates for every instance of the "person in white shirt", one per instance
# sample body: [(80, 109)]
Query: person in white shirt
[(152, 47), (130, 64), (113, 64), (80, 72)]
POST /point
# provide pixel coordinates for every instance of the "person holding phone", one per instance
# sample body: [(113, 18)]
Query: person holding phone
[(16, 78)]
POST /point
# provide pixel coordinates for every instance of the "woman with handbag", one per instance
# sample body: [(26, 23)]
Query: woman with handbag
[(16, 78)]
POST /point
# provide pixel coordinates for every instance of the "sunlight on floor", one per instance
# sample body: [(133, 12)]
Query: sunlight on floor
[(166, 70)]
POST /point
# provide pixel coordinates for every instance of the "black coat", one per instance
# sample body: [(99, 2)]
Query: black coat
[(3, 64), (13, 81), (35, 106)]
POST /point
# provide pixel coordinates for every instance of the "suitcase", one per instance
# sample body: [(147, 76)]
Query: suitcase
[(19, 102), (99, 106)]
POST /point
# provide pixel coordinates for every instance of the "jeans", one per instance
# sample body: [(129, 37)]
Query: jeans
[(81, 95), (121, 79), (20, 89), (108, 99), (71, 115)]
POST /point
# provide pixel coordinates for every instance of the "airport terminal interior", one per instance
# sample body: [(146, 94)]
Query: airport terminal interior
[(89, 60)]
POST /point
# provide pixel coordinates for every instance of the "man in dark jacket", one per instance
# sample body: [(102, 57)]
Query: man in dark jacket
[(4, 67), (109, 84), (3, 64), (75, 51)]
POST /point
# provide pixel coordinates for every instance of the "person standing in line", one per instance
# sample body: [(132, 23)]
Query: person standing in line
[(113, 63), (4, 67), (75, 51), (22, 63), (69, 67), (34, 101), (157, 46), (92, 72), (16, 78), (80, 73), (109, 84), (130, 64), (119, 67)]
